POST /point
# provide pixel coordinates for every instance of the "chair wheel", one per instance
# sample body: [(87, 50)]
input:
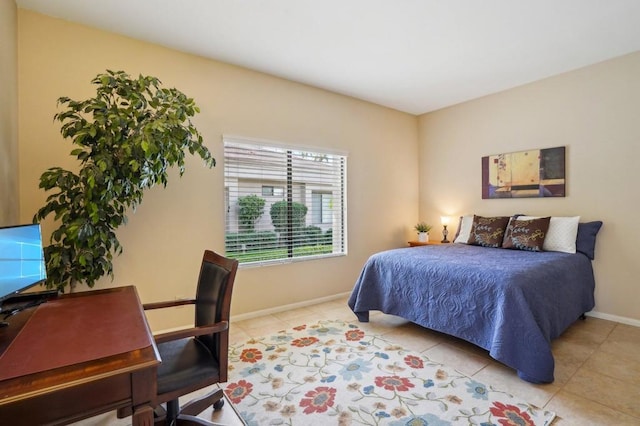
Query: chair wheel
[(218, 404)]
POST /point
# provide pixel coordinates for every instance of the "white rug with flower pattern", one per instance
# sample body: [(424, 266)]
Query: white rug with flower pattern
[(333, 373)]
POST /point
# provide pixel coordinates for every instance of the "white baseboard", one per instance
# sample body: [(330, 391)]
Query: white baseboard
[(255, 314), (616, 318)]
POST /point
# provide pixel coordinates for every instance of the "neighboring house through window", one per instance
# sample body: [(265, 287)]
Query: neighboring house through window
[(321, 206), (283, 202)]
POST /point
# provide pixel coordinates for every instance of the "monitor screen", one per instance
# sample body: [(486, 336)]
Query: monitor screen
[(21, 259)]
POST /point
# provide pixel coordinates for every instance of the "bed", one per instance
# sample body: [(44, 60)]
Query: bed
[(510, 302)]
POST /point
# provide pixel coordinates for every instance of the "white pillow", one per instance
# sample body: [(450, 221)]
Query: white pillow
[(465, 229), (561, 235)]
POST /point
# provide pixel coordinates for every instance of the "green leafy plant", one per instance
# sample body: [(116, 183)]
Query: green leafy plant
[(127, 137), (250, 208), (279, 217), (422, 227)]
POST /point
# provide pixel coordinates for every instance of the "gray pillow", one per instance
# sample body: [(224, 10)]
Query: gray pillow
[(586, 239)]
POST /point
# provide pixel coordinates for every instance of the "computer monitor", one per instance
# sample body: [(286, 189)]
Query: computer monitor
[(22, 262)]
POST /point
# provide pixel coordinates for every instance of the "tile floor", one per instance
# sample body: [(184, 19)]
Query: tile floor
[(597, 364)]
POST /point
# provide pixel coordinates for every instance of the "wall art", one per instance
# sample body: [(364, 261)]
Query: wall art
[(524, 174)]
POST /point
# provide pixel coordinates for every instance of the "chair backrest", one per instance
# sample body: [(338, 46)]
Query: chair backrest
[(213, 295)]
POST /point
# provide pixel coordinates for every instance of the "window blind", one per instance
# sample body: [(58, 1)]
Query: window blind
[(283, 203)]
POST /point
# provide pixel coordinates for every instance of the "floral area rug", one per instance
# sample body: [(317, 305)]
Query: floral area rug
[(333, 373)]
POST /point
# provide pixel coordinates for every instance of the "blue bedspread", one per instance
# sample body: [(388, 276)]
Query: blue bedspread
[(509, 302)]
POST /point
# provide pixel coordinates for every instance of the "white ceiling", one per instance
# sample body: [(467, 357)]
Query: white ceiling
[(411, 55)]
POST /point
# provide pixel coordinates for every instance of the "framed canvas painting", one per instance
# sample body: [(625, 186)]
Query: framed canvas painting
[(533, 173)]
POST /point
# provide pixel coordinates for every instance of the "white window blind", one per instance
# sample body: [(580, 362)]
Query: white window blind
[(284, 203)]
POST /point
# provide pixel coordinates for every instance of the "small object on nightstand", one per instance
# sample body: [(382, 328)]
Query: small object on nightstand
[(445, 221), (423, 231)]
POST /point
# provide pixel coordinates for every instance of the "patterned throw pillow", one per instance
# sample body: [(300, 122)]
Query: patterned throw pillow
[(562, 233), (526, 234), (488, 231)]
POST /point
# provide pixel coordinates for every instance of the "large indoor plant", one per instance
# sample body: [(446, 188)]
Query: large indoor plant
[(126, 138)]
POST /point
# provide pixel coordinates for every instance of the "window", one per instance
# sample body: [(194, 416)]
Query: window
[(321, 203), (272, 191), (285, 203)]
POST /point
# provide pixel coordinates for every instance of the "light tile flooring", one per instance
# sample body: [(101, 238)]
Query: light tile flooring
[(597, 364)]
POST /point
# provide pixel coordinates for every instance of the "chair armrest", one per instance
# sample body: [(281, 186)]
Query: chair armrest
[(192, 332), (168, 304)]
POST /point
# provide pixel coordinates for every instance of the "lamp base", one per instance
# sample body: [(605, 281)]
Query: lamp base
[(445, 232)]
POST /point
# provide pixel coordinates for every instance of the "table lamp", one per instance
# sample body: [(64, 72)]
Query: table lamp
[(445, 221)]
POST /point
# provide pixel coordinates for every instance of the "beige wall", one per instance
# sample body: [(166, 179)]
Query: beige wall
[(594, 112), (164, 239), (9, 206)]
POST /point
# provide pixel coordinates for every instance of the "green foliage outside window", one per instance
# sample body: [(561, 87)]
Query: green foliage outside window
[(279, 216), (250, 208)]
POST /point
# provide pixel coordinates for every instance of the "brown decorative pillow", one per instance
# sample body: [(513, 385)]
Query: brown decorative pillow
[(488, 231), (526, 234)]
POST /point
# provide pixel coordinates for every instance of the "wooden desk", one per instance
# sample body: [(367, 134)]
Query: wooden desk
[(108, 354)]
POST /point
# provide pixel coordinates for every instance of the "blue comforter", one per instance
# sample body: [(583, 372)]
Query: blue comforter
[(509, 302)]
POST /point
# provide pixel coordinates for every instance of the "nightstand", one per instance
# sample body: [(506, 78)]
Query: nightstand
[(428, 243)]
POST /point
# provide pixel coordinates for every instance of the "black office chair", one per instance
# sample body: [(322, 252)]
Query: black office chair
[(196, 357)]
